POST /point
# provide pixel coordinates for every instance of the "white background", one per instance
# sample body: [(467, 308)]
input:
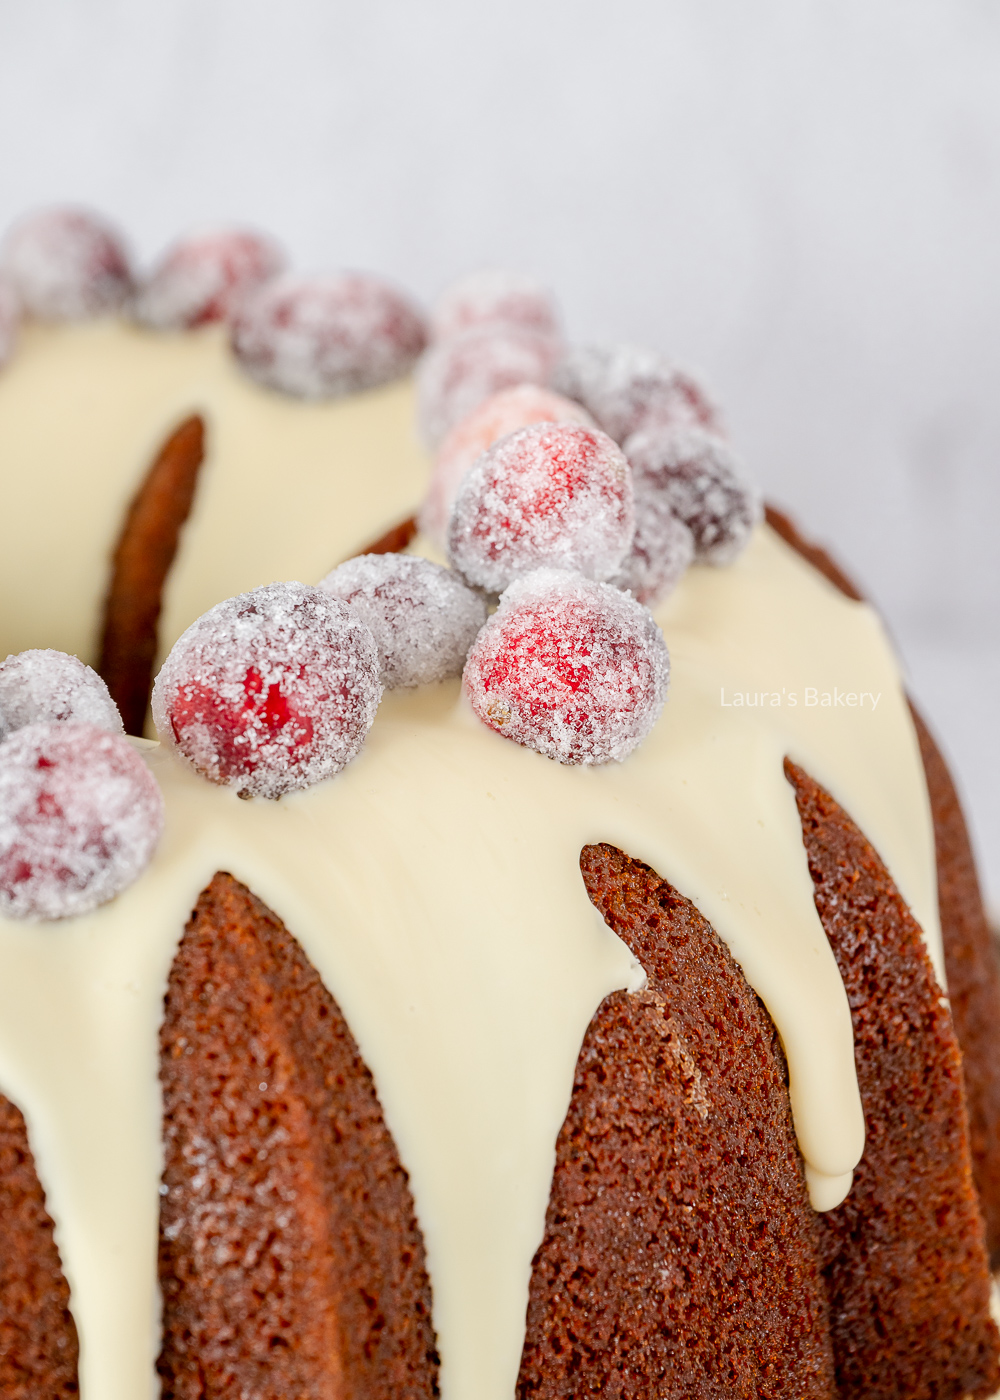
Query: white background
[(799, 197)]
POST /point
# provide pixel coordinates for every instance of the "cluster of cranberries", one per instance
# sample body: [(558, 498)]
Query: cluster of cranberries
[(312, 336), (579, 494), (576, 486), (80, 813)]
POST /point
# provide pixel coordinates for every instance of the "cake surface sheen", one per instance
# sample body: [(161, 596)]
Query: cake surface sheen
[(409, 953)]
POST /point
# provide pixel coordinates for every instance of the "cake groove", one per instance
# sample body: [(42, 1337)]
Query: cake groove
[(972, 966), (904, 1255), (679, 1102), (140, 564), (973, 970), (290, 1259)]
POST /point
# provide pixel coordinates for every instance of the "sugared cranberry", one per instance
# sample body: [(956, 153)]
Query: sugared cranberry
[(626, 388), (501, 414), (459, 374), (554, 494), (204, 278), (270, 691), (66, 265), (38, 686), (698, 476), (10, 318), (496, 297), (423, 617), (662, 548), (319, 337), (80, 816), (571, 668)]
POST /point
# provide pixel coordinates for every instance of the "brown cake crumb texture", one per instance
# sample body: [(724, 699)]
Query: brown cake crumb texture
[(38, 1346), (290, 1260), (904, 1256), (973, 971), (677, 1161), (681, 1255), (140, 564), (972, 966)]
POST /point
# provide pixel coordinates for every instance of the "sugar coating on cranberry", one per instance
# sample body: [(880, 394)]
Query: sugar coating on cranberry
[(80, 817), (323, 336), (423, 617), (697, 474), (38, 686), (661, 551), (204, 278), (10, 318), (494, 296), (271, 691), (627, 388), (66, 265), (501, 414), (553, 494), (574, 669), (459, 374)]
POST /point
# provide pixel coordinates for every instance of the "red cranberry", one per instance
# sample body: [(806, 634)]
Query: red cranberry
[(574, 669), (555, 494), (459, 374), (66, 265), (697, 475), (662, 548), (40, 686), (626, 389), (271, 691), (319, 337), (80, 817), (496, 297), (423, 617), (204, 278), (501, 414)]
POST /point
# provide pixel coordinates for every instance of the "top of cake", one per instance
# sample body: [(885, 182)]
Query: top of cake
[(433, 882)]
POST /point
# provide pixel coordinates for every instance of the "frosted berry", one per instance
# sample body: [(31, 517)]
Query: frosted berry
[(270, 691), (457, 375), (494, 297), (571, 668), (80, 817), (626, 388), (40, 686), (66, 265), (698, 476), (499, 415), (662, 548), (556, 494), (10, 318), (204, 278), (423, 617), (323, 336)]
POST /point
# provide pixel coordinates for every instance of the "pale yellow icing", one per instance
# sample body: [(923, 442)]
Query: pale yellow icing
[(435, 886), (287, 489)]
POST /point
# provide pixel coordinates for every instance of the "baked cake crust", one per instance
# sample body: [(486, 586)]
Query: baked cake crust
[(290, 1259), (904, 1255), (645, 1283), (38, 1342), (972, 965)]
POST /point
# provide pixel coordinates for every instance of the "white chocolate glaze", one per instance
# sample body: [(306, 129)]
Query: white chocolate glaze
[(435, 887), (287, 490)]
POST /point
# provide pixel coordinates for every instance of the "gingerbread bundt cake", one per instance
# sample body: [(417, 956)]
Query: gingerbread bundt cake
[(365, 1091)]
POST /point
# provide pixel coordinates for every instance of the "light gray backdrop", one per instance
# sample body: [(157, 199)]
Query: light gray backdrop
[(800, 197)]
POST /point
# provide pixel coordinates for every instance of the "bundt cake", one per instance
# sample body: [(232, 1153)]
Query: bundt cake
[(458, 1070)]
